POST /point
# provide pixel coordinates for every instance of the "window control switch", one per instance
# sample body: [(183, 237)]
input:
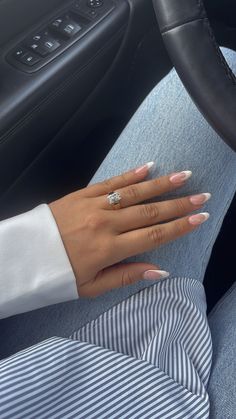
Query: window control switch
[(65, 27), (56, 24), (53, 37), (47, 46), (29, 59), (34, 42), (70, 29), (44, 46), (33, 46), (19, 53)]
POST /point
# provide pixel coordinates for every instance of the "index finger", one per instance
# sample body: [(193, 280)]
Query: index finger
[(110, 185)]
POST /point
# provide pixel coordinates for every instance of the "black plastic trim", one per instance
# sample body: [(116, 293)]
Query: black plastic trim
[(86, 22)]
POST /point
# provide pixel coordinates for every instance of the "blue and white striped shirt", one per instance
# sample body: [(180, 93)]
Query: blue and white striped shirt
[(147, 357)]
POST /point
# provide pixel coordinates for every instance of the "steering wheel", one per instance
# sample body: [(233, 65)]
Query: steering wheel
[(199, 62)]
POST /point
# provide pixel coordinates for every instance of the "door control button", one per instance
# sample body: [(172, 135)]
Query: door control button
[(95, 3), (29, 59), (57, 23), (70, 29), (93, 13), (44, 46), (84, 10), (18, 53), (47, 46), (58, 33), (33, 46), (37, 38), (65, 26)]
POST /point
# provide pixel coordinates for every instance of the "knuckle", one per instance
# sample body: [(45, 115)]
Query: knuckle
[(127, 279), (150, 211), (108, 185), (180, 206), (179, 228), (124, 179), (156, 236), (157, 183), (132, 192), (95, 221)]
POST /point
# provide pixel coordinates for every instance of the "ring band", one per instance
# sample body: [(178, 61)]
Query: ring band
[(114, 199)]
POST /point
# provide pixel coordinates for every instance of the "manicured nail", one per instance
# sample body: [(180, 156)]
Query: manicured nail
[(200, 199), (154, 274), (145, 167), (199, 218), (177, 178)]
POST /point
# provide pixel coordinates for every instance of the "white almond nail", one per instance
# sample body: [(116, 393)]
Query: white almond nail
[(178, 178), (150, 164), (200, 199), (145, 167), (155, 274), (199, 218), (207, 196)]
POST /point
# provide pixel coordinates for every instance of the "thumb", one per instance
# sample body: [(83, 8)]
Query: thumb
[(121, 275)]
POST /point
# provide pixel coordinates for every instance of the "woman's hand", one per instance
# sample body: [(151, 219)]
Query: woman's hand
[(97, 237)]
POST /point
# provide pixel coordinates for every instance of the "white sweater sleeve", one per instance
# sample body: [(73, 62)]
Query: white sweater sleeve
[(34, 268)]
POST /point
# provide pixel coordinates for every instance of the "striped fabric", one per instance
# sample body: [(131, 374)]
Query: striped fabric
[(147, 357)]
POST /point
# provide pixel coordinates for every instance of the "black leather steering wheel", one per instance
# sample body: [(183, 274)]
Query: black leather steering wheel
[(199, 62)]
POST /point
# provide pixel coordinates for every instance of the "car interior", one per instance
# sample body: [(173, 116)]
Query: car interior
[(72, 74)]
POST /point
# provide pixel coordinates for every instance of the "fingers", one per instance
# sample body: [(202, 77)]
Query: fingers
[(136, 193), (146, 215), (119, 276), (117, 182), (149, 238)]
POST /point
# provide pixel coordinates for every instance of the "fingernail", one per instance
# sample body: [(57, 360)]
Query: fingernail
[(154, 274), (199, 218), (145, 167), (180, 177), (200, 199)]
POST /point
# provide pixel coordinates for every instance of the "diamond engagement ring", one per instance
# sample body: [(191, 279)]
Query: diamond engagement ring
[(114, 199)]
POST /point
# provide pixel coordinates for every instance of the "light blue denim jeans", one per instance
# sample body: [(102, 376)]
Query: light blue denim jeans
[(168, 129)]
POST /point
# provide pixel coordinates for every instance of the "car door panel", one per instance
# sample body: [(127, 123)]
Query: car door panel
[(35, 106)]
